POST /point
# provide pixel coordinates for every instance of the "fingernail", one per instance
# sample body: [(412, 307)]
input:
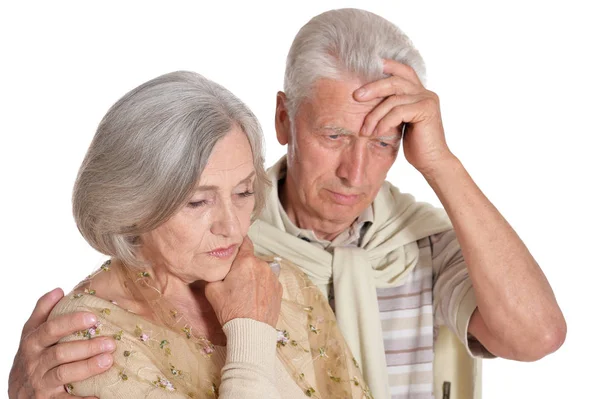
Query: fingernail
[(108, 345), (90, 319), (361, 92), (55, 293), (104, 360)]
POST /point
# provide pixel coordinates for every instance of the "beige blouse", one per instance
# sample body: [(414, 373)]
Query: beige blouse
[(305, 356)]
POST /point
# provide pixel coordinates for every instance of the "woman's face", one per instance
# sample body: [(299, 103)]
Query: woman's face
[(201, 240)]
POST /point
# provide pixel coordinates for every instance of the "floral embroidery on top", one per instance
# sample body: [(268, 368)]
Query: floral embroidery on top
[(162, 382), (187, 331), (69, 388), (105, 266), (90, 332), (175, 371), (283, 337), (209, 349)]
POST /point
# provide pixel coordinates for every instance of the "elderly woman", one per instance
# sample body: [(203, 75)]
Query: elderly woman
[(168, 189)]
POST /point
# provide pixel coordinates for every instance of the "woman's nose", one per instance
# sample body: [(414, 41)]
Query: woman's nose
[(225, 222)]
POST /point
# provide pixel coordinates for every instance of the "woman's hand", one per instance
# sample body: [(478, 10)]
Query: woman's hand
[(250, 290)]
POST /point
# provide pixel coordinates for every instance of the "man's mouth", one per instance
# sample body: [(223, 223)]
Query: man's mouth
[(344, 199)]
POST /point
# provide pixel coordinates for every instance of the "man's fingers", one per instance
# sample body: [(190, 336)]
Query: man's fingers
[(382, 110), (394, 85), (42, 310), (403, 80), (408, 113), (53, 330), (396, 68), (77, 371), (73, 351)]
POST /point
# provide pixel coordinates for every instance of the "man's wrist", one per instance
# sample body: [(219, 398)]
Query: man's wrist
[(441, 170)]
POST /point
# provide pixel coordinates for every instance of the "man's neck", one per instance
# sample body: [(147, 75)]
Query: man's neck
[(303, 219)]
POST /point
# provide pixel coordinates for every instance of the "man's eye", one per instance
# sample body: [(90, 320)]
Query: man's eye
[(383, 144), (334, 136)]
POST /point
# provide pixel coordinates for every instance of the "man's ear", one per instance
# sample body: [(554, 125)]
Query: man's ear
[(282, 120)]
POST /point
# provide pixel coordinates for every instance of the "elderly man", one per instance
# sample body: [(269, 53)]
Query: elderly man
[(398, 273)]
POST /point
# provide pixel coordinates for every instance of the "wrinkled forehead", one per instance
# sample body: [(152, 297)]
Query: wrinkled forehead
[(334, 98), (230, 162)]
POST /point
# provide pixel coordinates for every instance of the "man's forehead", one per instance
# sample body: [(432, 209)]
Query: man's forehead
[(339, 93)]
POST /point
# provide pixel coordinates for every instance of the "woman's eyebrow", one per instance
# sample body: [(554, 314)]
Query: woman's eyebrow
[(248, 178)]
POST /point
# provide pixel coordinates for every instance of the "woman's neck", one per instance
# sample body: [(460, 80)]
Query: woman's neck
[(189, 299)]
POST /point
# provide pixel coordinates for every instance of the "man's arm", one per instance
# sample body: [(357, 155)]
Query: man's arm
[(517, 316), (42, 366)]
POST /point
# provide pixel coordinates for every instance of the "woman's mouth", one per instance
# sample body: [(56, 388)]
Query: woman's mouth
[(223, 253)]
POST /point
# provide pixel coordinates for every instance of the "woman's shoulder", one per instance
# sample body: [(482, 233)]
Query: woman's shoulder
[(76, 301), (149, 360)]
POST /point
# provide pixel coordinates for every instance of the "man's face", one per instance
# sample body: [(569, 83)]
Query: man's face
[(335, 171)]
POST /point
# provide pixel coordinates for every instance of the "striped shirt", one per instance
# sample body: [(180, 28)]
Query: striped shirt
[(438, 292)]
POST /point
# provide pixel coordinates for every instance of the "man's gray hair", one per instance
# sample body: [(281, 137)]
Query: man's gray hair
[(344, 41), (147, 157)]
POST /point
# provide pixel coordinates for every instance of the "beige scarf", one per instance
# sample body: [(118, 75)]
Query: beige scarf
[(389, 247)]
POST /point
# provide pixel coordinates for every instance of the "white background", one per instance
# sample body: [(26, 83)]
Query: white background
[(519, 91)]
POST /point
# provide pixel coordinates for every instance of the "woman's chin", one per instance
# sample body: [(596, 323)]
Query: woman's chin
[(217, 272)]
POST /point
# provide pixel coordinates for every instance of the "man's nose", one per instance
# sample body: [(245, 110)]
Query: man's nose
[(225, 222), (353, 164)]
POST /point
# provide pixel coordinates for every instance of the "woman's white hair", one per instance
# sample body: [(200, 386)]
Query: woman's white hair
[(344, 41), (147, 157)]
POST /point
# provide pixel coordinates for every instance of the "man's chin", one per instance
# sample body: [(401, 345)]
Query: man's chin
[(340, 214)]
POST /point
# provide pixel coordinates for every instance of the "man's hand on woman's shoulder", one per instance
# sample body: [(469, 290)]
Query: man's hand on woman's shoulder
[(42, 366)]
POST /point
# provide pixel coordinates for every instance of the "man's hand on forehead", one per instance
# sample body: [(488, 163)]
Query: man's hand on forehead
[(406, 104)]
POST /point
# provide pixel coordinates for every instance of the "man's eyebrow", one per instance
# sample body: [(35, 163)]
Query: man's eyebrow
[(216, 188), (338, 130), (392, 137)]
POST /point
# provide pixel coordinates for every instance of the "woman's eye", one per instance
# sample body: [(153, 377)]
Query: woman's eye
[(246, 193), (196, 204)]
